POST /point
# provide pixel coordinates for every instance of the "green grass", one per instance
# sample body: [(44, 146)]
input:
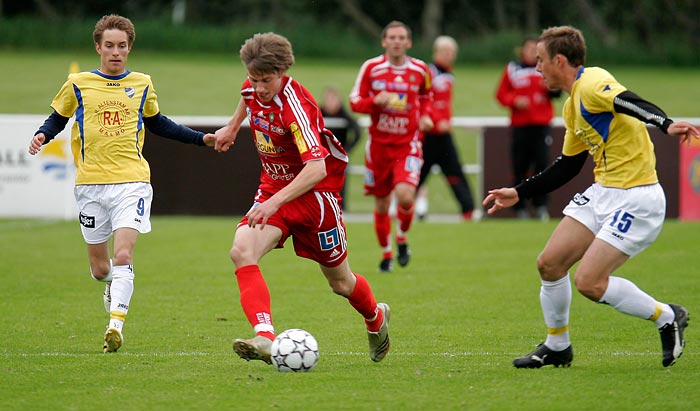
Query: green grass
[(465, 306), (208, 83)]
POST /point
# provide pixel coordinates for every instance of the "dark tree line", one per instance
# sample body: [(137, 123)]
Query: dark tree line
[(609, 21)]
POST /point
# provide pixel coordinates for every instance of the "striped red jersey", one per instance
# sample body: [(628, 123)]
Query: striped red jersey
[(397, 122), (442, 82), (289, 131)]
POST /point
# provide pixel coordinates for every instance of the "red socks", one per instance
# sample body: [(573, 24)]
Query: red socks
[(405, 216), (255, 299), (363, 301), (382, 227)]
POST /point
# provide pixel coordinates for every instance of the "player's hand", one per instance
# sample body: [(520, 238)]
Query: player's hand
[(501, 198), (444, 126), (225, 137), (425, 123), (383, 98), (36, 143), (684, 130), (261, 212), (209, 140), (521, 102)]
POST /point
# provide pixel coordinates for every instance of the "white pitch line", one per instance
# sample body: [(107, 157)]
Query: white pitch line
[(331, 354)]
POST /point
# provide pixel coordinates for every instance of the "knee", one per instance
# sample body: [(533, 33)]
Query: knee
[(341, 287), (239, 256), (123, 257), (549, 270), (100, 271), (406, 196), (589, 287)]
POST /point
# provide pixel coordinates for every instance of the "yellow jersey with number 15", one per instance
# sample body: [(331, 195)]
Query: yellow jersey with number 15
[(620, 144), (108, 134)]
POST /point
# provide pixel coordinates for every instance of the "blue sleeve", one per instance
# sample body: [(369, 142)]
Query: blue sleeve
[(52, 126), (165, 127)]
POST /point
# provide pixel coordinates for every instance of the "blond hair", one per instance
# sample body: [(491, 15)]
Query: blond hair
[(445, 41)]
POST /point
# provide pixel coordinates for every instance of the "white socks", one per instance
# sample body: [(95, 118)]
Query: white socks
[(626, 297), (122, 288), (555, 298)]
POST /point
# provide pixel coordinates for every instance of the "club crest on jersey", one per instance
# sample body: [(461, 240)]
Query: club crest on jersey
[(130, 91), (298, 138), (112, 116)]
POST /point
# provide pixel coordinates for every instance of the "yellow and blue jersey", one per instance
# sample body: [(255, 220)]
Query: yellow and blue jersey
[(108, 135), (620, 144)]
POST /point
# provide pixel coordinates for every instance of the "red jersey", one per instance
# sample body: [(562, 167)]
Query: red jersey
[(442, 82), (397, 122), (288, 132), (521, 80)]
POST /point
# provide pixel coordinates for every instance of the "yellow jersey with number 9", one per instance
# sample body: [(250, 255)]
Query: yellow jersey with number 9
[(620, 144), (108, 134)]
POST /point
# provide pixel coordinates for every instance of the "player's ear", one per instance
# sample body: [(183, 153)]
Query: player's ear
[(97, 48)]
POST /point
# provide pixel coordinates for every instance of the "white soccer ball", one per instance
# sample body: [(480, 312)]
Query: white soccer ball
[(294, 350)]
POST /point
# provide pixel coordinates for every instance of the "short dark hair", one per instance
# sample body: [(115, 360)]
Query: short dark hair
[(396, 23)]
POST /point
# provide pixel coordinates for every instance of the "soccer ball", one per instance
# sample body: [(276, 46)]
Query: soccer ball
[(294, 350)]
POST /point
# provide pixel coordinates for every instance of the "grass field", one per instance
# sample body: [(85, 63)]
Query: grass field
[(465, 306), (208, 84)]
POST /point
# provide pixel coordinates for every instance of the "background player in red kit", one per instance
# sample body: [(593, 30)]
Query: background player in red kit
[(438, 145), (303, 168), (394, 89), (523, 92)]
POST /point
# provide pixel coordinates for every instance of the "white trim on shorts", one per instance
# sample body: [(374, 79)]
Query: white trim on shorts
[(104, 208), (628, 219)]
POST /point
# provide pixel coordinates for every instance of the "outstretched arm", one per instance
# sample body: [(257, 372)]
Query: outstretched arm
[(165, 127), (562, 170), (226, 135)]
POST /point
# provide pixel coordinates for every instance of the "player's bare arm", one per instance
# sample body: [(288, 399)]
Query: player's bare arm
[(226, 136), (36, 143), (501, 198)]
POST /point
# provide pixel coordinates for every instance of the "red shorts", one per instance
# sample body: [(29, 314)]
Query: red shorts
[(386, 166), (315, 223)]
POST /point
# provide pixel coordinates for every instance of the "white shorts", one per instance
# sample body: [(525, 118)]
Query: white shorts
[(628, 219), (107, 207)]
